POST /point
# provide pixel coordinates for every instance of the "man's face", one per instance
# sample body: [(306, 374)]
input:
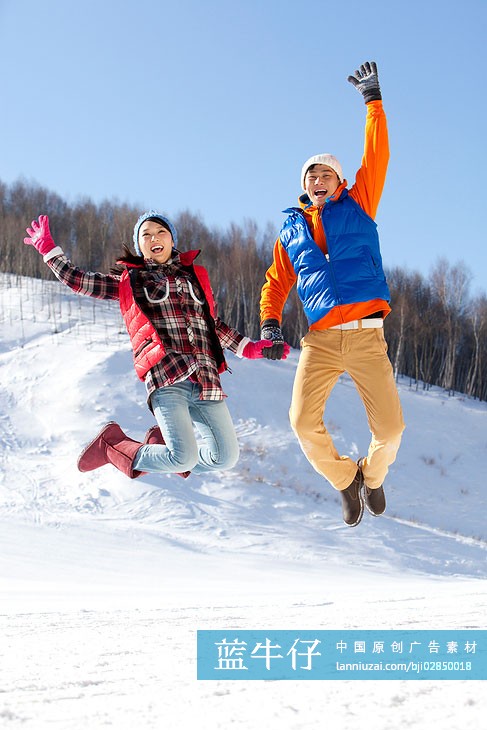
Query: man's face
[(320, 183), (155, 242)]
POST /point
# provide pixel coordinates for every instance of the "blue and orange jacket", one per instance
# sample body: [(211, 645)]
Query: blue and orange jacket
[(333, 251)]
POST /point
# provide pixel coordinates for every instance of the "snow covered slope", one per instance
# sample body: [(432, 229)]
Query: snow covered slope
[(140, 565)]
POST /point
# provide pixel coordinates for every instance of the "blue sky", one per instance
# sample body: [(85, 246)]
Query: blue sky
[(214, 106)]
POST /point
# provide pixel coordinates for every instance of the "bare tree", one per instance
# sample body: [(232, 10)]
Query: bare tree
[(450, 285), (436, 334)]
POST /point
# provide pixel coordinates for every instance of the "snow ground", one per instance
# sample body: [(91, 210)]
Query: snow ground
[(104, 581)]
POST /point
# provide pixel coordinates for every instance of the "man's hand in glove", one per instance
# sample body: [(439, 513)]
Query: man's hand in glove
[(271, 331), (366, 80)]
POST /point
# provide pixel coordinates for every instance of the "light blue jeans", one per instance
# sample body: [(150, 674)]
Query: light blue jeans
[(177, 408)]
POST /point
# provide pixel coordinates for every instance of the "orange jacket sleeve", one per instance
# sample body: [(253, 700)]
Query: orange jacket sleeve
[(280, 279), (370, 179), (366, 191)]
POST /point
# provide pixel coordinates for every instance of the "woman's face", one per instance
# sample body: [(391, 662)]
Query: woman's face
[(155, 242)]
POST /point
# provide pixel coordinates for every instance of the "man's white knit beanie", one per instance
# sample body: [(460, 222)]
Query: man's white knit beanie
[(324, 159)]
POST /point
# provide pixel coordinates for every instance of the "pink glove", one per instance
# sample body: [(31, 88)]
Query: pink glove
[(40, 236), (253, 350)]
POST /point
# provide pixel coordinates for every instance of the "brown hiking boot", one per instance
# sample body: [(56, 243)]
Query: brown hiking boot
[(353, 501), (375, 499)]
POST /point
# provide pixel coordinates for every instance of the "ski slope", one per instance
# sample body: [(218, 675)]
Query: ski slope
[(104, 581)]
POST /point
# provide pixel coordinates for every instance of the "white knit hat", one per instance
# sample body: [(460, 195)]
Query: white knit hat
[(324, 159)]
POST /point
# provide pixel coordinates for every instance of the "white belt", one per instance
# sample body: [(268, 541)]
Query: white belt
[(357, 324)]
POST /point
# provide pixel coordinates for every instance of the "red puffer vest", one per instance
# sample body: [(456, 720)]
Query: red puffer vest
[(147, 346)]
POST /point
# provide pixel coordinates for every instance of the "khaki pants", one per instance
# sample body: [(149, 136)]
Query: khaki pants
[(362, 353)]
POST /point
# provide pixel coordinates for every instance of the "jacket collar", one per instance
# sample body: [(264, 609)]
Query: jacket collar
[(186, 258), (306, 204)]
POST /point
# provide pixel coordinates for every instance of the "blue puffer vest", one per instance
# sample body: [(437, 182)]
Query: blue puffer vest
[(352, 272)]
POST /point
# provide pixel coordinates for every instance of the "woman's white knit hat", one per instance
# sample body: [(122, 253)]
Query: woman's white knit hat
[(324, 159)]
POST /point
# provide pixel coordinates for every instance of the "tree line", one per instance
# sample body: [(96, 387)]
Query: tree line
[(436, 332)]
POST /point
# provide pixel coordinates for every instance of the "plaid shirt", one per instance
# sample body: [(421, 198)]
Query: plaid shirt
[(172, 300)]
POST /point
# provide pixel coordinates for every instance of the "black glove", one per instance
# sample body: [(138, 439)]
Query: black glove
[(271, 331), (366, 80)]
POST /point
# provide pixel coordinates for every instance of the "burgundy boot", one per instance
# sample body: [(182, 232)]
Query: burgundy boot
[(111, 446), (154, 436)]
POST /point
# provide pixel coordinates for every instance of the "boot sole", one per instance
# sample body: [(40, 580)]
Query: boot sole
[(374, 514)]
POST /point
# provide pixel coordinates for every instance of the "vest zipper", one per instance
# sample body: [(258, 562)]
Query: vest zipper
[(142, 346), (330, 264)]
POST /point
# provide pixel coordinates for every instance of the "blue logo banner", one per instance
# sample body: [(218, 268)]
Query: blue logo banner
[(349, 654)]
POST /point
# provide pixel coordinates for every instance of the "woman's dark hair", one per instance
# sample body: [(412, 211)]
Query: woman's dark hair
[(126, 257), (162, 223)]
